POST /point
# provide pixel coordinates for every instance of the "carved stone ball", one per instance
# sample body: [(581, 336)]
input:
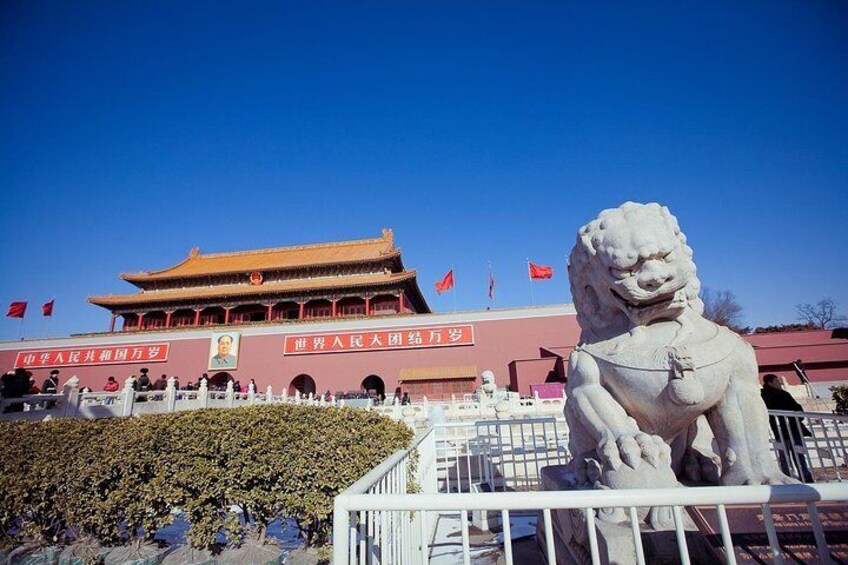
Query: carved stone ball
[(686, 392)]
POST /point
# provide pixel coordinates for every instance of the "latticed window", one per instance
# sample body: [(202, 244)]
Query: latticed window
[(352, 309), (319, 312)]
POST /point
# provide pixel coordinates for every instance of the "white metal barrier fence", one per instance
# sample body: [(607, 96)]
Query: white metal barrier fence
[(375, 515), (498, 454), (402, 536), (404, 509), (811, 446)]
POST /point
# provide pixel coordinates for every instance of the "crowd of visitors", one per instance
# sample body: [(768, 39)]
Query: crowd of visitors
[(20, 382)]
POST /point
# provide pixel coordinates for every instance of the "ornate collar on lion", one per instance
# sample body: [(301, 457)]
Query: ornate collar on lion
[(701, 352)]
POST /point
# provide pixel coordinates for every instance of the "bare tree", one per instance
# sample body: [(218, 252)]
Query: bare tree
[(822, 314), (721, 307)]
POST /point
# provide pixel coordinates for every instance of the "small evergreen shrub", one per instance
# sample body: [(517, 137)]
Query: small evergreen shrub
[(840, 396), (118, 480)]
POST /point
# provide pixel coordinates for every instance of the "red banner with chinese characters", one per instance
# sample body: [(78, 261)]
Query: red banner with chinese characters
[(380, 340), (104, 355)]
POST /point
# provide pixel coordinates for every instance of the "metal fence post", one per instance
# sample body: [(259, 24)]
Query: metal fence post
[(341, 536)]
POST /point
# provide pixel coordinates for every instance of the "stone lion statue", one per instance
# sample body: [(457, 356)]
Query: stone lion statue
[(650, 369), (488, 387)]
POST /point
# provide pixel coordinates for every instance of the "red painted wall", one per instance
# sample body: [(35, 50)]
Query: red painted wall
[(520, 346), (824, 354), (501, 336)]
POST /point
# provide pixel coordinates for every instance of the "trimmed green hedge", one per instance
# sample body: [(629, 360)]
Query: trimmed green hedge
[(118, 480)]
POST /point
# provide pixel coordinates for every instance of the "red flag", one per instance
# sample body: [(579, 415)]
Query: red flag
[(16, 310), (446, 283), (47, 309), (540, 271), (491, 283)]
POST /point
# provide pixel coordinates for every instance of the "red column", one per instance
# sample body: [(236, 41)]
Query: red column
[(400, 303), (270, 312), (334, 308), (367, 306), (112, 324), (140, 320), (168, 319), (226, 315), (197, 317), (302, 310)]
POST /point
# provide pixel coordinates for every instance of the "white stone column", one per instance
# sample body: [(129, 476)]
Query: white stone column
[(171, 394), (231, 395), (72, 397), (203, 394), (129, 397), (269, 395), (251, 393)]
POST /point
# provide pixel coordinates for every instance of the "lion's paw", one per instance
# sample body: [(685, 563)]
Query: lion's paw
[(632, 449)]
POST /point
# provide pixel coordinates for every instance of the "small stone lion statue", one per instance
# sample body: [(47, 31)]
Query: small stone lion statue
[(650, 367), (488, 387)]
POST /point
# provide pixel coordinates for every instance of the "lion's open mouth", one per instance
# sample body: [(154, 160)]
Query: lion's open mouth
[(661, 300)]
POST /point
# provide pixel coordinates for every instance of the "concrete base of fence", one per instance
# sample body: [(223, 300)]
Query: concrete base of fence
[(616, 543)]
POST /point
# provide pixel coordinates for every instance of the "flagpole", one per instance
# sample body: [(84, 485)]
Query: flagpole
[(50, 317), (454, 288), (530, 283), (21, 331), (491, 287)]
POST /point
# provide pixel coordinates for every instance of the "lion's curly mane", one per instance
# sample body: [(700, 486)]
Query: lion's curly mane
[(597, 313)]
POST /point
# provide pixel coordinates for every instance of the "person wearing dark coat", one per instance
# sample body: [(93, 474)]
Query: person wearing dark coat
[(788, 431), (50, 386), (51, 383), (161, 383), (143, 381)]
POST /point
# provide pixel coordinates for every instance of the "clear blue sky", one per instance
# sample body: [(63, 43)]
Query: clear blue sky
[(133, 131)]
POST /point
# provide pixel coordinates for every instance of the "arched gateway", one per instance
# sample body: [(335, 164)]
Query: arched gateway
[(374, 385), (304, 384), (219, 381)]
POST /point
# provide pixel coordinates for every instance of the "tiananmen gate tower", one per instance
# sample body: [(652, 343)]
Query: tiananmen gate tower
[(341, 316)]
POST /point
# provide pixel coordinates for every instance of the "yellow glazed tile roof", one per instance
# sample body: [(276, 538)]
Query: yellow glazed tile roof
[(197, 264)]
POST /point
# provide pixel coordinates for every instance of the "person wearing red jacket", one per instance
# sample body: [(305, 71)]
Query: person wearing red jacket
[(111, 385)]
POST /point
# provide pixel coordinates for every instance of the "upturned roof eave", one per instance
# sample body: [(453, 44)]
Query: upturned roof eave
[(124, 300), (413, 285)]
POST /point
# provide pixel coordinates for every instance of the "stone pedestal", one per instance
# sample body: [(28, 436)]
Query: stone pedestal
[(615, 540)]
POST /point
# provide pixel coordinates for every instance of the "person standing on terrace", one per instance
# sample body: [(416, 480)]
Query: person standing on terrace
[(789, 431)]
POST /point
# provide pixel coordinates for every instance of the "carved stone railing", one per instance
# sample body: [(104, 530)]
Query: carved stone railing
[(71, 403)]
